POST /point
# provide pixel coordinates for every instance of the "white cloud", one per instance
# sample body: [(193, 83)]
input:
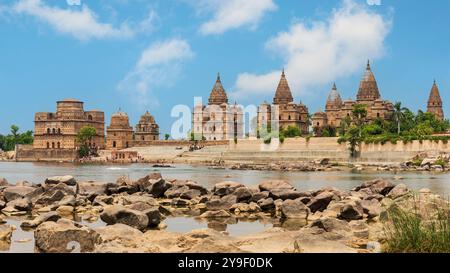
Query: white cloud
[(232, 14), (159, 65), (322, 51), (81, 23)]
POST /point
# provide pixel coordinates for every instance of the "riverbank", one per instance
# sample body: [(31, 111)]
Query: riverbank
[(132, 215)]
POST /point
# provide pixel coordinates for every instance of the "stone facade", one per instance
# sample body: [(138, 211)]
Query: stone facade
[(218, 120), (59, 130), (368, 94), (434, 104), (119, 132), (147, 129), (283, 112)]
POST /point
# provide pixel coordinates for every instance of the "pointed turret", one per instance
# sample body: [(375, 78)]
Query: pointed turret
[(283, 94), (218, 95), (334, 101), (435, 102), (368, 88)]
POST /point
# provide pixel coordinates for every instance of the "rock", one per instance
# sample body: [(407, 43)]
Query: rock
[(271, 185), (175, 191), (130, 199), (65, 236), (125, 235), (285, 194), (65, 210), (16, 192), (2, 221), (398, 191), (154, 216), (153, 184), (428, 162), (191, 185), (23, 204), (3, 182), (243, 194), (102, 200), (119, 214), (190, 194), (123, 184), (259, 195), (294, 209), (320, 202), (215, 214), (371, 207), (54, 193), (351, 210), (67, 179), (49, 216), (6, 233), (266, 204), (92, 188), (2, 204), (382, 187), (331, 224), (226, 188), (360, 229), (179, 202), (223, 203), (245, 208)]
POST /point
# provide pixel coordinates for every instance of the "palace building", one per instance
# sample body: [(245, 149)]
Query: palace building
[(368, 94), (119, 132), (218, 120), (146, 129), (435, 102), (58, 131), (283, 112)]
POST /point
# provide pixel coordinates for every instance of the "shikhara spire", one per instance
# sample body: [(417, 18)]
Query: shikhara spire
[(435, 102), (283, 94), (218, 95), (368, 88)]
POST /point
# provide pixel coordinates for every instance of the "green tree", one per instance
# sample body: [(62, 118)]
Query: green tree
[(354, 139), (291, 131), (166, 136), (84, 137), (9, 142), (398, 115), (359, 113)]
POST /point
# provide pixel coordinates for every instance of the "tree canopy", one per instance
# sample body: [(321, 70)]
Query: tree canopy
[(9, 142)]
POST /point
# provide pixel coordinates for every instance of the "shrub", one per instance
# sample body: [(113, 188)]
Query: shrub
[(267, 140), (410, 232)]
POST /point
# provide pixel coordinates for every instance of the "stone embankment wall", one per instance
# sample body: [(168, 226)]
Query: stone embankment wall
[(26, 153), (138, 143), (301, 149)]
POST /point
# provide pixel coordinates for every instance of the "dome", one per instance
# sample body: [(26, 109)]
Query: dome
[(283, 93), (119, 120), (368, 88), (218, 95), (334, 100)]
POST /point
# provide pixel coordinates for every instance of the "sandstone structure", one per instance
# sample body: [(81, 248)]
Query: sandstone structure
[(336, 110), (218, 120), (434, 105), (147, 129), (283, 112), (59, 130), (119, 132)]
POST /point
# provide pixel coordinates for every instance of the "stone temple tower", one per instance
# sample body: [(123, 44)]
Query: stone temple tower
[(435, 102)]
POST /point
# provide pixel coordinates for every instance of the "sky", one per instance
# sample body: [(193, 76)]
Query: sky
[(138, 55)]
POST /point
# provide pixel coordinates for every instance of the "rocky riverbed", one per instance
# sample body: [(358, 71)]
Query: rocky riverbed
[(135, 212)]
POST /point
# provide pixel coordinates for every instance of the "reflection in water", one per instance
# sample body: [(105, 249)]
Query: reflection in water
[(37, 172)]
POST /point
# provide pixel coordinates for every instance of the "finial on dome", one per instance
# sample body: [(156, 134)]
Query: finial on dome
[(218, 76), (282, 73), (334, 86), (368, 64)]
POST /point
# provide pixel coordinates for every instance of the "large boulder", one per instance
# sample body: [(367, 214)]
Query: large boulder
[(371, 207), (119, 214), (271, 185), (66, 179), (190, 184), (182, 192), (243, 194), (223, 203), (92, 188), (23, 204), (294, 209), (330, 224), (6, 233), (382, 187), (215, 214), (54, 194), (49, 216), (65, 236), (154, 216), (320, 202), (398, 191), (245, 208), (3, 182), (351, 210), (226, 188), (266, 204), (259, 196), (285, 194), (153, 184), (16, 192), (136, 198)]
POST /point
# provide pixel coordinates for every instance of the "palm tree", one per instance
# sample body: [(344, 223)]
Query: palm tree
[(359, 115), (399, 115)]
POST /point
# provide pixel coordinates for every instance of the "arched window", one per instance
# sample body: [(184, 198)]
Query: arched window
[(53, 145), (48, 144), (378, 115), (318, 123), (114, 144), (126, 144), (59, 145), (59, 131), (48, 131), (143, 137), (90, 117), (54, 131)]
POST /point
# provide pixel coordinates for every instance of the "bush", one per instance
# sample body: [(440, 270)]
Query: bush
[(410, 232), (267, 140)]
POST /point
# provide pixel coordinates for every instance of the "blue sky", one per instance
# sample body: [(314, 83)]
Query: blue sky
[(139, 54)]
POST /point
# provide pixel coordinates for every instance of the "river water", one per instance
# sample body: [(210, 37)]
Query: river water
[(23, 241)]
